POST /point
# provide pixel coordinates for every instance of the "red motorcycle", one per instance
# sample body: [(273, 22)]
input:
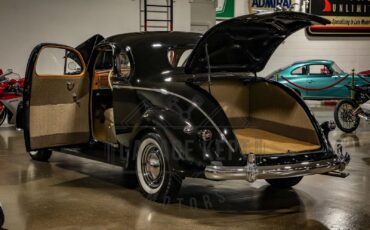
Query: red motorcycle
[(11, 95)]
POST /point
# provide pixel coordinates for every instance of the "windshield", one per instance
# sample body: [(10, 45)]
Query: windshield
[(336, 69)]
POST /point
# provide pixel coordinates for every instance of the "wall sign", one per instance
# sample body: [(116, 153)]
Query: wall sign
[(348, 17), (269, 5), (225, 9)]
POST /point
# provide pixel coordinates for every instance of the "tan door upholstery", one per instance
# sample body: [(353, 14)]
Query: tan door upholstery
[(110, 132), (59, 112)]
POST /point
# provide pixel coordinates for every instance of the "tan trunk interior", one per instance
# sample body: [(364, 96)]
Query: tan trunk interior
[(266, 119)]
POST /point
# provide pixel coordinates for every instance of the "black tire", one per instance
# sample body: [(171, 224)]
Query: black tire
[(284, 182), (19, 124), (3, 116), (2, 217), (340, 116), (157, 182), (129, 177), (40, 155)]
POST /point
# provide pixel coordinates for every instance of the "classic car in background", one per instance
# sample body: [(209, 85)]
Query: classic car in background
[(366, 73), (136, 106), (317, 79), (2, 217)]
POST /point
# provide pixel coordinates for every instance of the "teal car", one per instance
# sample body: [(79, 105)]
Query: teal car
[(318, 79)]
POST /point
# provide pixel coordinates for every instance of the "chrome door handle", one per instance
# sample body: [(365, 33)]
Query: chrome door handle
[(70, 85), (75, 99)]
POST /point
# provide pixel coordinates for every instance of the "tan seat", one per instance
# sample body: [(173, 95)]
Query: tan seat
[(109, 128)]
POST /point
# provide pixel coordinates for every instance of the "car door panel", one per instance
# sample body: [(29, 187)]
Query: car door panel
[(298, 76), (322, 80), (58, 105)]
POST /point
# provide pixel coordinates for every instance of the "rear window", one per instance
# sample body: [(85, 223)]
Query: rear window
[(177, 57)]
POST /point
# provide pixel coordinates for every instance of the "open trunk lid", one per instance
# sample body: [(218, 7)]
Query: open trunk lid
[(246, 43)]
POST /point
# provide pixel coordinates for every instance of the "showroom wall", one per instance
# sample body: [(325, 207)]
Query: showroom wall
[(202, 15), (26, 23), (348, 52)]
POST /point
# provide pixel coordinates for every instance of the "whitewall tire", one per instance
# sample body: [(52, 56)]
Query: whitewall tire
[(40, 155), (156, 181)]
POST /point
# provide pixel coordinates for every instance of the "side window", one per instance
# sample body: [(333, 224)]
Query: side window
[(300, 71), (125, 65), (319, 70), (58, 62), (178, 57), (104, 61)]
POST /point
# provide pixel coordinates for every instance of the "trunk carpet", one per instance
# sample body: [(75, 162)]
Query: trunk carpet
[(258, 141)]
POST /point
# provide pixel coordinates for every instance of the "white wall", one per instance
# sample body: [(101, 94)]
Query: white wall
[(241, 7), (348, 53), (25, 23), (202, 15)]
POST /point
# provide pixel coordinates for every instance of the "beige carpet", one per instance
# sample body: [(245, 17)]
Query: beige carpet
[(263, 142)]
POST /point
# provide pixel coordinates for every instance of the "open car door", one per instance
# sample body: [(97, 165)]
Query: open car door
[(56, 98)]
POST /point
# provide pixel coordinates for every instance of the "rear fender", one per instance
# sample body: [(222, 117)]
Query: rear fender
[(186, 152)]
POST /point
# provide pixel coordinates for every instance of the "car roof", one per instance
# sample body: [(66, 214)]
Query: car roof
[(148, 38), (150, 49), (314, 61)]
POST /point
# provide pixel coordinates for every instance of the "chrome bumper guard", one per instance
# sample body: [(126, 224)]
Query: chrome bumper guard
[(252, 172)]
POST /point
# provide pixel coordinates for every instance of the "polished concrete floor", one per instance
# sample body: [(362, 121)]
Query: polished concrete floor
[(74, 193)]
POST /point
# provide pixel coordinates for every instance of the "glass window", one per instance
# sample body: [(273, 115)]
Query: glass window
[(300, 71), (125, 65), (337, 69), (58, 61), (104, 60), (178, 57), (319, 70)]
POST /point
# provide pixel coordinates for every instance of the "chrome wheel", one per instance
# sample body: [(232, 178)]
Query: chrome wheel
[(346, 117), (150, 165)]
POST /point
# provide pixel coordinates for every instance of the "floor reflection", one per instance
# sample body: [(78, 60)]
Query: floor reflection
[(71, 192), (264, 200)]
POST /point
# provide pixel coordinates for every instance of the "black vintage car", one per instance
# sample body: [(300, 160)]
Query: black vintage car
[(2, 218), (170, 105)]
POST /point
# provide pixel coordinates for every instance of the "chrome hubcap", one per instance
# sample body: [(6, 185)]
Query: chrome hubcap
[(152, 165)]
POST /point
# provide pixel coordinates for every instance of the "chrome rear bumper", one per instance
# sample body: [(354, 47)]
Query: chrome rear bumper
[(252, 172)]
